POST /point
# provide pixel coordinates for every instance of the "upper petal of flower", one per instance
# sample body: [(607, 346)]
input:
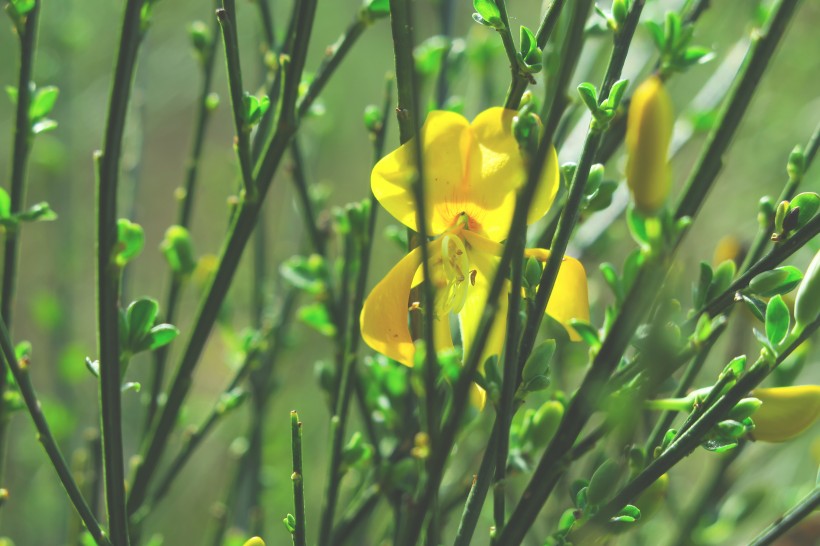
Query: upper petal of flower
[(469, 168), (445, 143), (497, 168)]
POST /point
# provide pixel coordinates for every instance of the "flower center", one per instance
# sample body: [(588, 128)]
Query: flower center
[(457, 275)]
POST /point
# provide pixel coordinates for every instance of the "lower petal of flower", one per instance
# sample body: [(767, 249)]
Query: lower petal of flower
[(474, 305), (570, 298)]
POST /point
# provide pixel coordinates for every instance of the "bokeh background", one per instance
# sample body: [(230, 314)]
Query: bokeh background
[(55, 303)]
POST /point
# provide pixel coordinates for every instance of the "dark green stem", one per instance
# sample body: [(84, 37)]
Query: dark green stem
[(764, 234), (21, 376), (800, 511), (227, 20), (709, 496), (17, 195), (108, 274), (521, 81), (740, 95), (242, 226), (688, 441), (478, 492), (298, 481), (553, 463), (185, 196), (368, 502)]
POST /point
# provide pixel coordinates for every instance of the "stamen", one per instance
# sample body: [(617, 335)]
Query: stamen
[(456, 268)]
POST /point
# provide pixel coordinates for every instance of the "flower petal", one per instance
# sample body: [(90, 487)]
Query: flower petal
[(496, 169), (470, 315), (445, 138), (385, 313), (570, 297), (383, 320)]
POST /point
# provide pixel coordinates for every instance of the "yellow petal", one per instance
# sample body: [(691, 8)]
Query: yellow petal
[(470, 315), (497, 169), (445, 140), (786, 412), (648, 134), (385, 313), (570, 297)]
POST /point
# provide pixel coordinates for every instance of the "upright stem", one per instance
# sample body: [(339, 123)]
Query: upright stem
[(185, 197), (243, 223), (17, 195), (227, 20), (108, 274), (788, 520), (298, 481), (21, 376)]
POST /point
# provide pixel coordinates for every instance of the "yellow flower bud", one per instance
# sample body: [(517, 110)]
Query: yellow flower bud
[(255, 541), (653, 497), (786, 412), (648, 134)]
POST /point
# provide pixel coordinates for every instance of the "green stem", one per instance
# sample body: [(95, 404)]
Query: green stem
[(368, 502), (108, 274), (789, 189), (185, 196), (298, 481), (478, 492), (227, 20), (21, 376), (706, 498), (740, 95), (800, 511), (17, 195), (348, 381), (552, 464), (686, 442), (521, 81), (242, 226)]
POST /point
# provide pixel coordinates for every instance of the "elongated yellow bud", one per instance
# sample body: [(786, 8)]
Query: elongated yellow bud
[(255, 541), (648, 133), (786, 412)]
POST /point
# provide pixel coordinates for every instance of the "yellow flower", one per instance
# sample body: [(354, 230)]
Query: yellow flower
[(471, 174), (648, 134), (786, 412)]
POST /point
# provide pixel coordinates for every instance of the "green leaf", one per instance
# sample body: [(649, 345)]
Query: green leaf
[(777, 281), (429, 55), (757, 307), (539, 360), (179, 251), (22, 7), (130, 240), (721, 279), (140, 318), (316, 316), (629, 514), (11, 91), (589, 94), (5, 203), (161, 335), (42, 102), (43, 126), (488, 13), (377, 8), (527, 42), (613, 281), (587, 332), (672, 30), (306, 273), (656, 33), (616, 94), (808, 204), (604, 482), (695, 55), (777, 320), (40, 212)]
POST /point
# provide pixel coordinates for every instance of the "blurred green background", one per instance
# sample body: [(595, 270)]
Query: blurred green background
[(55, 303)]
